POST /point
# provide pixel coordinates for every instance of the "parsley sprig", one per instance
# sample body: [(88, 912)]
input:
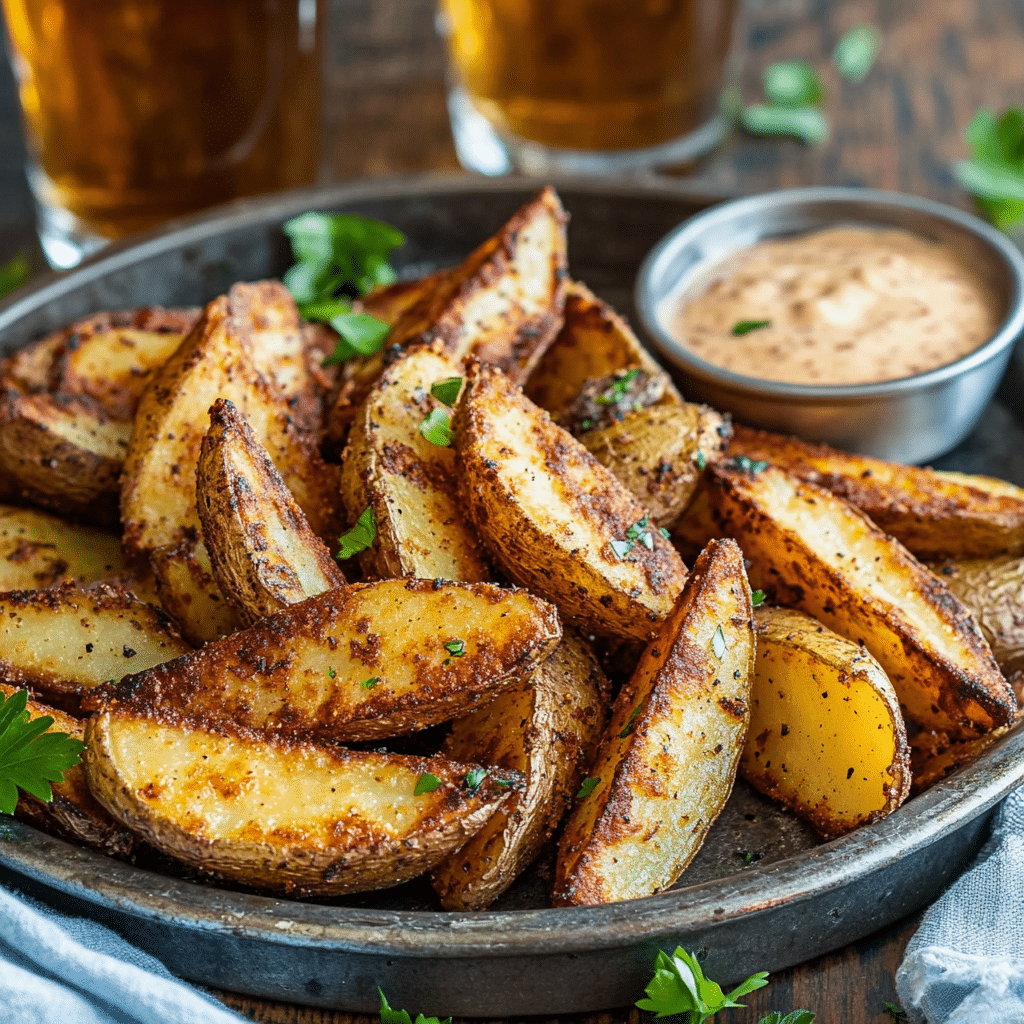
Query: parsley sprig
[(389, 1016), (30, 757), (340, 257), (360, 537), (679, 989), (995, 174)]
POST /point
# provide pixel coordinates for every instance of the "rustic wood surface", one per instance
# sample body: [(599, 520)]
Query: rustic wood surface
[(901, 129)]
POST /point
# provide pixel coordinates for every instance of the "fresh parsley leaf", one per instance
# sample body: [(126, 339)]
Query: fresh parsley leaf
[(794, 1017), (628, 728), (855, 53), (679, 988), (456, 648), (426, 783), (664, 532), (718, 644), (369, 684), (447, 390), (621, 547), (792, 83), (389, 1016), (30, 757), (995, 177), (806, 123), (702, 461), (437, 428), (331, 674), (360, 537), (359, 334), (747, 464), (894, 1011), (588, 787), (618, 389), (474, 777), (742, 327), (757, 598), (14, 273)]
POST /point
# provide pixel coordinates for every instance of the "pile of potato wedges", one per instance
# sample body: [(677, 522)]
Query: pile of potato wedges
[(482, 527)]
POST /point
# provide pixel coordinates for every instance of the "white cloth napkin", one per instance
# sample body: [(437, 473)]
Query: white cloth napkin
[(60, 969), (965, 964)]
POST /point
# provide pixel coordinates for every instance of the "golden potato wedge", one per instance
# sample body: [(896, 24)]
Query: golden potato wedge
[(63, 453), (225, 802), (263, 553), (361, 662), (408, 482), (931, 763), (73, 813), (63, 642), (548, 728), (659, 453), (555, 519), (38, 550), (593, 342), (813, 551), (391, 301), (217, 360), (993, 589), (696, 526), (934, 515), (826, 735), (30, 369), (668, 759)]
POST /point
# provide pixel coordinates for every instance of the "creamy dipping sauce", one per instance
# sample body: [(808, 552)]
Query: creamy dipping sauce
[(846, 305)]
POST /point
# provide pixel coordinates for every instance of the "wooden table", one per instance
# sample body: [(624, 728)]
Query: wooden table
[(901, 129)]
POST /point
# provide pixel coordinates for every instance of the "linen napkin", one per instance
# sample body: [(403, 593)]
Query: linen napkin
[(56, 968), (965, 964)]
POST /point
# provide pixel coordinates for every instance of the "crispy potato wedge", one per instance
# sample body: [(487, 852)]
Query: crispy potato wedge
[(826, 735), (217, 360), (391, 301), (30, 369), (696, 526), (659, 453), (226, 803), (357, 663), (263, 553), (38, 550), (548, 728), (934, 515), (73, 813), (63, 642), (408, 482), (555, 519), (668, 759), (594, 341), (63, 453), (811, 550), (993, 589), (933, 763)]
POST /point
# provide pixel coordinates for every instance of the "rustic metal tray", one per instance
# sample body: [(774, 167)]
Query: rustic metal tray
[(763, 894)]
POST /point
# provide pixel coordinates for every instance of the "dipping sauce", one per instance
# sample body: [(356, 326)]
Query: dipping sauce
[(846, 305)]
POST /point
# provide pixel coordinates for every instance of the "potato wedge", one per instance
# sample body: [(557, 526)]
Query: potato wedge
[(390, 302), (934, 515), (696, 526), (555, 519), (226, 803), (811, 550), (826, 735), (659, 453), (408, 482), (668, 759), (548, 728), (38, 550), (65, 641), (593, 342), (73, 813), (357, 663), (263, 553), (931, 764)]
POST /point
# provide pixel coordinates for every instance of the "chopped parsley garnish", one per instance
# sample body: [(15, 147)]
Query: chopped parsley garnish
[(792, 84), (389, 1016), (621, 547), (474, 777), (369, 684), (426, 783), (995, 175), (618, 389), (718, 644), (639, 531), (30, 757), (456, 648), (757, 598), (628, 728), (447, 390), (331, 674), (702, 461), (437, 428), (894, 1011), (588, 787), (793, 1017), (664, 532), (742, 327), (748, 465), (855, 53), (806, 123), (360, 537)]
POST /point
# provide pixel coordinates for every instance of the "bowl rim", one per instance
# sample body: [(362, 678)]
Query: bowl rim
[(689, 230)]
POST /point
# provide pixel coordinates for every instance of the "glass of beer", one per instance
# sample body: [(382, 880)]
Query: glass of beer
[(587, 86), (137, 111)]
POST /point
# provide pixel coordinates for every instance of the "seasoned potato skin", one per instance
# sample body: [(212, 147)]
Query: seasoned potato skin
[(668, 759), (550, 514), (811, 550)]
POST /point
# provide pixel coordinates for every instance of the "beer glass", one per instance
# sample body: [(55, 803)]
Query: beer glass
[(137, 111), (587, 86)]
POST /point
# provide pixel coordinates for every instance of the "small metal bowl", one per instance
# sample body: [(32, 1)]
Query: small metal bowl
[(912, 419)]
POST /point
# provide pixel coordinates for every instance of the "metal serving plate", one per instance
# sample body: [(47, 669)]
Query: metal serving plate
[(763, 894)]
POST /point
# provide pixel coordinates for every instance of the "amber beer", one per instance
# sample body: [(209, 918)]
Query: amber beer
[(592, 74), (141, 110)]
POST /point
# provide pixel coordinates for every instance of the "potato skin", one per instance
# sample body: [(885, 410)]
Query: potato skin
[(668, 759), (551, 514)]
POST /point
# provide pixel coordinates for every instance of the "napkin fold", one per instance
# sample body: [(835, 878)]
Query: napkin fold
[(57, 968), (965, 964)]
